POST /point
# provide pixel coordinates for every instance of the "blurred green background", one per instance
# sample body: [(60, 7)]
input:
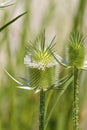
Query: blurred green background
[(19, 108)]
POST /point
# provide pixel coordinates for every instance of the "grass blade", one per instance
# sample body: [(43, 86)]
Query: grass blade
[(13, 20)]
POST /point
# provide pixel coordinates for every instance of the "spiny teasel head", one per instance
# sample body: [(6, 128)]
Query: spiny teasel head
[(76, 50), (41, 63)]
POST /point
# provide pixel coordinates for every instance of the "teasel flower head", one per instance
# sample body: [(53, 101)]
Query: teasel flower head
[(41, 64), (75, 53)]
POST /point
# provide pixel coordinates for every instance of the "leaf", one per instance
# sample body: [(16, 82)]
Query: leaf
[(60, 60), (10, 22), (59, 85), (37, 91), (6, 4), (25, 87), (22, 86), (12, 77), (62, 82), (24, 79)]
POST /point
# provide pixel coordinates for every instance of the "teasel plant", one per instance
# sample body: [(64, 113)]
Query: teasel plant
[(75, 61), (42, 71)]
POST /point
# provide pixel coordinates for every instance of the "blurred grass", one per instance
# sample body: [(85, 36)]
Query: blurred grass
[(19, 108)]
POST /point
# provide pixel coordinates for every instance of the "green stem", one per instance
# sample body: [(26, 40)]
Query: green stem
[(42, 110), (76, 100)]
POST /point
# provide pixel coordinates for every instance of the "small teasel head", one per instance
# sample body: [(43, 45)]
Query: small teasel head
[(76, 50), (41, 63)]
